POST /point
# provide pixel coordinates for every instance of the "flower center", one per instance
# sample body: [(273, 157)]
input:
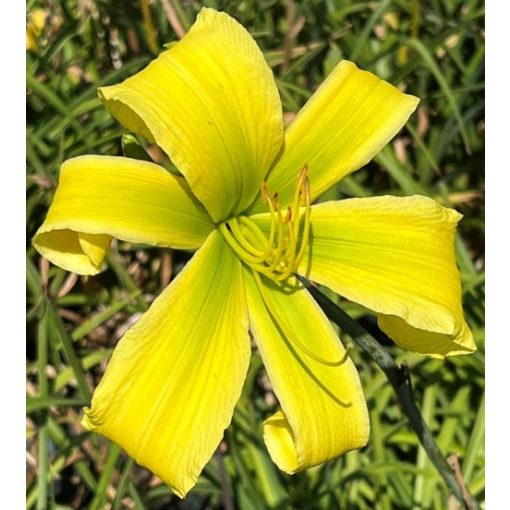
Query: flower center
[(278, 255)]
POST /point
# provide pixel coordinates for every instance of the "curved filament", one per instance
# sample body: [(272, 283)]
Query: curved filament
[(280, 254)]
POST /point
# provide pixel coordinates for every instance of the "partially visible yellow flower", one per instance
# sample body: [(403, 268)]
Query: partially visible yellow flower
[(245, 203), (35, 27)]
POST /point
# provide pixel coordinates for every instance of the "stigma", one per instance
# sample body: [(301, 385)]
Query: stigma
[(278, 254)]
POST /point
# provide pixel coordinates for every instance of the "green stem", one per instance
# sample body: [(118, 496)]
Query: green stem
[(399, 379), (225, 485), (101, 495), (67, 345), (42, 457), (123, 484), (475, 443)]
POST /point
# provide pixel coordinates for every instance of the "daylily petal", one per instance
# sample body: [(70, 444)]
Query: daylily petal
[(350, 118), (394, 255), (323, 408), (103, 196), (211, 103), (171, 386)]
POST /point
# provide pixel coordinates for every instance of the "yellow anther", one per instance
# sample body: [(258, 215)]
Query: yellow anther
[(306, 222), (264, 190), (278, 255), (276, 202)]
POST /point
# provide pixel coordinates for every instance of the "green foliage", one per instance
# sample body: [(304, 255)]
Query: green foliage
[(435, 50)]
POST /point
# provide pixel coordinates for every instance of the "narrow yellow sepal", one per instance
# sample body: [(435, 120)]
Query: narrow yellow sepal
[(170, 388), (100, 197), (323, 412), (350, 118)]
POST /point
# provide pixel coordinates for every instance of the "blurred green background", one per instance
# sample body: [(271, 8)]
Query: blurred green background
[(434, 50)]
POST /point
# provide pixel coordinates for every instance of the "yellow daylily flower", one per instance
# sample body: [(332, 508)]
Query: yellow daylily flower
[(245, 203)]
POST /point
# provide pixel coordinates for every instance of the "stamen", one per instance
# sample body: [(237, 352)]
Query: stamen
[(239, 235), (267, 197), (306, 223), (280, 254), (256, 232), (236, 246), (265, 192)]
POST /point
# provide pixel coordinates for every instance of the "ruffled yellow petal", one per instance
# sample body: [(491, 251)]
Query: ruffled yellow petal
[(323, 408), (395, 256), (211, 103), (350, 118), (171, 386), (103, 196)]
